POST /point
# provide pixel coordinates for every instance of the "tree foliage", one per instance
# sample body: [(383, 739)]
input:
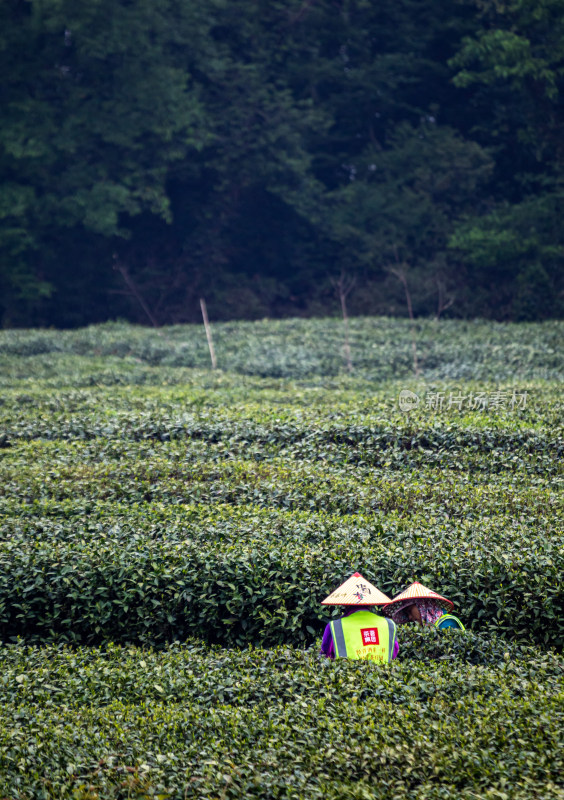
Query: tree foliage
[(515, 68), (250, 151)]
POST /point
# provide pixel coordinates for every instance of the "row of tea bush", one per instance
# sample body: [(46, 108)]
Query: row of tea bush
[(127, 585), (482, 720), (380, 347)]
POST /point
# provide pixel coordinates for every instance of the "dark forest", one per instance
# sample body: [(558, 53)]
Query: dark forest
[(261, 153)]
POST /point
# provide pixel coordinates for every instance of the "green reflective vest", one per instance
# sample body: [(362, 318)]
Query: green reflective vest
[(449, 621), (364, 635)]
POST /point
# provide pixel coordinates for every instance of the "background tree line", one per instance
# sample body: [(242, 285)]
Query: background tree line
[(253, 151)]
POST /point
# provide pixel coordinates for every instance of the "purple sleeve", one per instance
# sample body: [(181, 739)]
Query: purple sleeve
[(396, 649), (327, 648)]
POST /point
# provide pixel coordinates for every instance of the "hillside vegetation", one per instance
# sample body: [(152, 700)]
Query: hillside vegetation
[(253, 153), (167, 533)]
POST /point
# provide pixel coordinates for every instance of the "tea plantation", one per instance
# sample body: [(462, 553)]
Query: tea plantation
[(167, 533)]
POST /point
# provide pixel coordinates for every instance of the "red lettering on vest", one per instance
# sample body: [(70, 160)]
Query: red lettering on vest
[(369, 636)]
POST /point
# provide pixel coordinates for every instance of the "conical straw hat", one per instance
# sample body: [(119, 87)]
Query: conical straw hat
[(419, 592), (356, 591)]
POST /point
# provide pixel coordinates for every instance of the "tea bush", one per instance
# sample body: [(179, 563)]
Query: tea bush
[(299, 348), (171, 539), (138, 588), (154, 514), (191, 721)]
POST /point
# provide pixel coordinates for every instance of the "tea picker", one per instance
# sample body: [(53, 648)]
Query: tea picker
[(422, 605), (361, 633)]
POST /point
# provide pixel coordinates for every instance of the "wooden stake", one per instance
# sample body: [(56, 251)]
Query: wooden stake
[(208, 332), (347, 347), (399, 272), (343, 286)]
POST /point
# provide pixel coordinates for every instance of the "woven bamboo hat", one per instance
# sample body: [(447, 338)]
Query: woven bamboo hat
[(356, 591), (418, 592)]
